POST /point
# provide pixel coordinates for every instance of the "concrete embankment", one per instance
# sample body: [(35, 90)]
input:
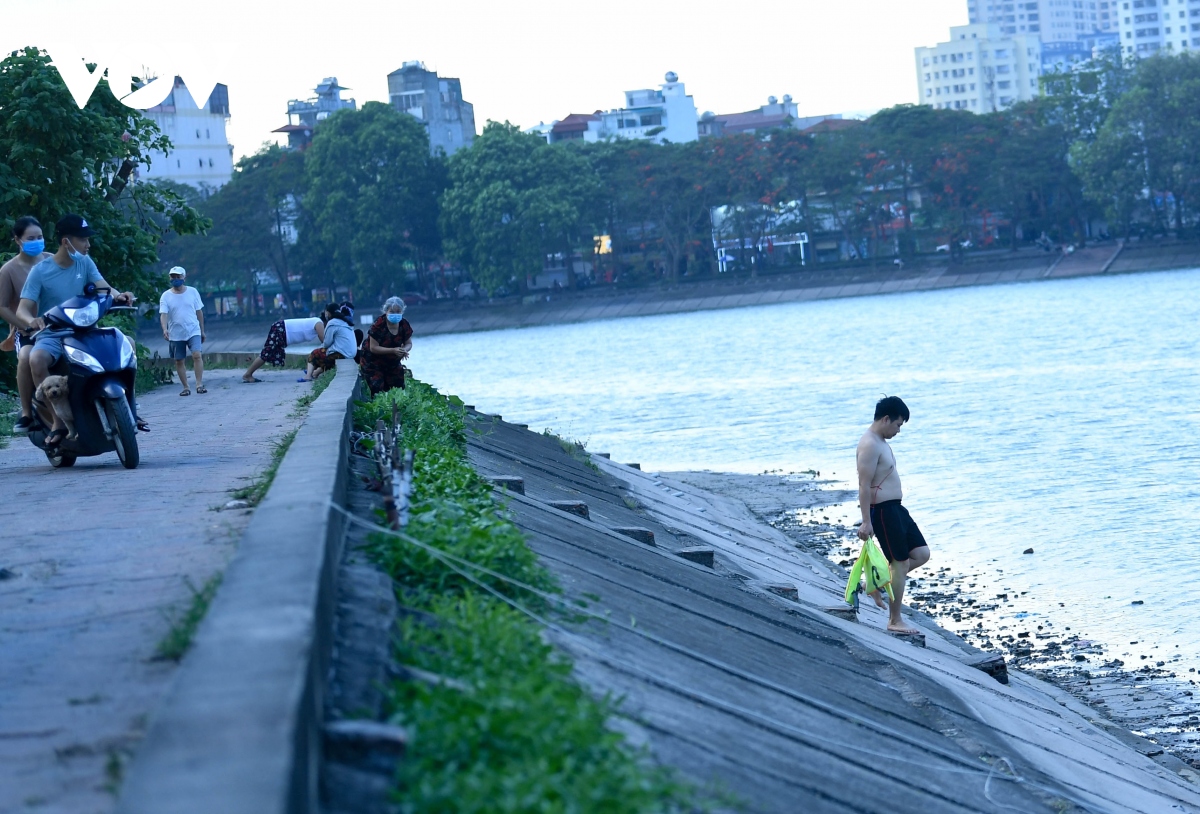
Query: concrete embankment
[(715, 629), (733, 669)]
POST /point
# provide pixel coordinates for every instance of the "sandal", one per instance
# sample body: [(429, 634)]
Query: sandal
[(142, 425), (251, 380), (185, 392), (201, 389), (55, 438)]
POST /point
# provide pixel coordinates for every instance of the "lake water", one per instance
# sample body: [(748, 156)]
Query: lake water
[(1057, 415)]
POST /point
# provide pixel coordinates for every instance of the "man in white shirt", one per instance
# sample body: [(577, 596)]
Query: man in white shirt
[(181, 312)]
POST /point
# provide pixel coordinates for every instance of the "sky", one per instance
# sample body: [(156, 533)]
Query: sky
[(524, 61)]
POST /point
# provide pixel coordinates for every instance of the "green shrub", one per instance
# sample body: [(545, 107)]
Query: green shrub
[(507, 728)]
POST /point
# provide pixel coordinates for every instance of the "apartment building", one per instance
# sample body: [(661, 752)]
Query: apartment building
[(1052, 20), (305, 114), (437, 102), (1148, 27), (980, 69), (666, 114), (201, 156)]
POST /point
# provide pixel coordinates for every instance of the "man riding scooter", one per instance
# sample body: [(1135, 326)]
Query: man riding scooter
[(54, 281)]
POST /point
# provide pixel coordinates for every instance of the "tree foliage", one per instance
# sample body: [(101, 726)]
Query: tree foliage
[(512, 200), (255, 217), (60, 159), (371, 198)]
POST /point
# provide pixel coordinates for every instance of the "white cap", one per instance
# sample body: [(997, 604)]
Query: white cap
[(177, 271)]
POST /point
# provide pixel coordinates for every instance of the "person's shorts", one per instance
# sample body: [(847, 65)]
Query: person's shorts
[(52, 345), (895, 530), (181, 348), (21, 341)]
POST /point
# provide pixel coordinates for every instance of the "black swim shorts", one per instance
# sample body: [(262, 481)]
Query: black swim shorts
[(895, 529)]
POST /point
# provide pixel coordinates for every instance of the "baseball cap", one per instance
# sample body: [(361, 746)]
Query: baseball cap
[(73, 226), (177, 271)]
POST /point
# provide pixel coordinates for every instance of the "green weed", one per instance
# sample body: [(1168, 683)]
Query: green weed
[(576, 449), (179, 638), (256, 490), (513, 731)]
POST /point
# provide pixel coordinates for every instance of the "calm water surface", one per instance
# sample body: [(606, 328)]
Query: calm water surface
[(1059, 415)]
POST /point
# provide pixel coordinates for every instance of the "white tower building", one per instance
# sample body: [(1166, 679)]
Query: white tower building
[(202, 156)]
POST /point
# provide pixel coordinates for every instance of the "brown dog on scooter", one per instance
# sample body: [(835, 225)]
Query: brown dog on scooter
[(55, 392)]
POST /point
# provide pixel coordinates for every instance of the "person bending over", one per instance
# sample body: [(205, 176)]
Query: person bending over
[(879, 496), (281, 334)]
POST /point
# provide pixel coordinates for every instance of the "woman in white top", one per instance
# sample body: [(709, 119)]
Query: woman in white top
[(281, 334)]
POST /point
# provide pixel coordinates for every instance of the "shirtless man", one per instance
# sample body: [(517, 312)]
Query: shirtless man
[(879, 495)]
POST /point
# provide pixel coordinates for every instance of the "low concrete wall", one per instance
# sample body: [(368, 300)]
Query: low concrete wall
[(239, 731), (293, 360)]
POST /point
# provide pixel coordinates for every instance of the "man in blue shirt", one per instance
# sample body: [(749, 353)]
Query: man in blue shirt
[(52, 282)]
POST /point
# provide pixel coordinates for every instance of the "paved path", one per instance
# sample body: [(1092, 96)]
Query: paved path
[(80, 620)]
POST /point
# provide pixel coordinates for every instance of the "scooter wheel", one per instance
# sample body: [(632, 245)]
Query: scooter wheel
[(61, 460)]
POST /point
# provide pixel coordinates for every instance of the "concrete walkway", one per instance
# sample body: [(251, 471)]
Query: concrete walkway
[(101, 558)]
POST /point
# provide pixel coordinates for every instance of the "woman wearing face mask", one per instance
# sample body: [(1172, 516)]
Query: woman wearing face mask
[(388, 343), (31, 244), (31, 249)]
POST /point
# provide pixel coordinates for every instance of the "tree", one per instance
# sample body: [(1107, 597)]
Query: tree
[(677, 193), (743, 179), (60, 159), (254, 221), (512, 200), (1147, 151), (372, 198), (906, 140)]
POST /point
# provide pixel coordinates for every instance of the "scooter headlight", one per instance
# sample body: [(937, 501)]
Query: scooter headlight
[(128, 357), (84, 317), (86, 359)]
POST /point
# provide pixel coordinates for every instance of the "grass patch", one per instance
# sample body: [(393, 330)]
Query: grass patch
[(512, 731), (576, 449), (322, 382), (256, 490), (179, 638), (10, 408)]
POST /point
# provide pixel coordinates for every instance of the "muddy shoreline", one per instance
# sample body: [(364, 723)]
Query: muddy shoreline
[(1149, 695)]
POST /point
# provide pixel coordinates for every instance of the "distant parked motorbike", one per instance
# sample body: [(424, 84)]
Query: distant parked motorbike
[(100, 366)]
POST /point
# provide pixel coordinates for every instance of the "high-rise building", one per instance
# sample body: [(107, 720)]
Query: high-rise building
[(1052, 20), (980, 69), (437, 102), (304, 114), (1149, 27), (202, 156)]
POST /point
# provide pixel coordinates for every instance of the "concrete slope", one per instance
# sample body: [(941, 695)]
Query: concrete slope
[(776, 701)]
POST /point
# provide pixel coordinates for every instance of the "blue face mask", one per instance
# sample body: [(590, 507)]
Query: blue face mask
[(176, 282), (34, 247), (395, 318), (74, 255)]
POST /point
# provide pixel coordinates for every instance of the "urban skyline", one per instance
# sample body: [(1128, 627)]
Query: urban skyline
[(535, 62)]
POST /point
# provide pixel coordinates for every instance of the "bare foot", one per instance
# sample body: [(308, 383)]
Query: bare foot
[(878, 597), (900, 627)]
